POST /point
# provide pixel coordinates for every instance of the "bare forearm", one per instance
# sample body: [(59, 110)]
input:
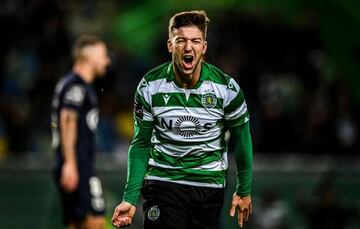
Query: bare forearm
[(68, 120)]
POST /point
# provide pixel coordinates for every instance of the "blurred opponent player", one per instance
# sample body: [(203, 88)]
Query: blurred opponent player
[(181, 113), (74, 120)]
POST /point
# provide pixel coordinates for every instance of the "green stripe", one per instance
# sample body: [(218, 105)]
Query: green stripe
[(157, 73), (198, 175), (239, 121), (188, 161), (142, 123), (214, 74), (235, 103), (179, 99)]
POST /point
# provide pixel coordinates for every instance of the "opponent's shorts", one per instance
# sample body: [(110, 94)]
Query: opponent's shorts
[(87, 199), (177, 206)]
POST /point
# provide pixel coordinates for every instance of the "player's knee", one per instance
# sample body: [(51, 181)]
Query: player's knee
[(95, 222)]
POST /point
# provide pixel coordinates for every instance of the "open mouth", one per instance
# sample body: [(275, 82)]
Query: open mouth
[(188, 61)]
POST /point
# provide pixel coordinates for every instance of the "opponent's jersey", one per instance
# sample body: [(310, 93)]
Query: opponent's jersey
[(72, 92), (189, 125)]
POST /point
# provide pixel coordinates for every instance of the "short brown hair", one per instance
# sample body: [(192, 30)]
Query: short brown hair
[(189, 18), (82, 42)]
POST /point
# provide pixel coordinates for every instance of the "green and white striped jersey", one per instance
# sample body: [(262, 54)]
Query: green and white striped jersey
[(189, 125)]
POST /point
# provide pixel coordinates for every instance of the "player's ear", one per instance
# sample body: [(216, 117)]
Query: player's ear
[(205, 47), (169, 45)]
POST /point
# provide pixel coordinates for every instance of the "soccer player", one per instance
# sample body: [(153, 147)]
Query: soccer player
[(178, 156), (75, 117)]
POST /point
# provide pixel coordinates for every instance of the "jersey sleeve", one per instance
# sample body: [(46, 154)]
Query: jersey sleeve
[(74, 97), (244, 158), (143, 117), (235, 108), (139, 150)]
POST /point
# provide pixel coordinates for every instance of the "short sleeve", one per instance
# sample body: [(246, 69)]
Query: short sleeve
[(235, 107), (74, 97)]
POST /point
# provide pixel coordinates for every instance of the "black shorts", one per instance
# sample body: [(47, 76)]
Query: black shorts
[(177, 206), (87, 199)]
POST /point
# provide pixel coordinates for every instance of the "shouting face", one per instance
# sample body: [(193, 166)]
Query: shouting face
[(187, 46)]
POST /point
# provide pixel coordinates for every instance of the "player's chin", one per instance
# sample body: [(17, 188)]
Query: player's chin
[(188, 71), (101, 74)]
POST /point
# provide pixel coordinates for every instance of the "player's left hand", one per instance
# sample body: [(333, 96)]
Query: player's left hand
[(123, 214), (244, 207)]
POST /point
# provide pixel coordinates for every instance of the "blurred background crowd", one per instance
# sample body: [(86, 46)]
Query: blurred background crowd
[(296, 61)]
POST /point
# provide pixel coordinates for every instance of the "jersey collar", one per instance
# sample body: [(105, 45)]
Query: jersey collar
[(204, 74)]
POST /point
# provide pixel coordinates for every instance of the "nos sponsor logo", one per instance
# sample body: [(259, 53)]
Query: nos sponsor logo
[(186, 126)]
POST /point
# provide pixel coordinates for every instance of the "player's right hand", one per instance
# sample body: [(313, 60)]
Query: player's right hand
[(69, 177), (243, 205), (123, 214)]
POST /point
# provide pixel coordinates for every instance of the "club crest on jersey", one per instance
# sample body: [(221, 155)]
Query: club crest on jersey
[(153, 213), (209, 100)]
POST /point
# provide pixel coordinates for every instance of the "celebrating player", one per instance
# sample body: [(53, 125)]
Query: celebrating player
[(178, 156)]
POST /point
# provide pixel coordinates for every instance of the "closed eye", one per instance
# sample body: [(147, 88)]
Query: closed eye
[(180, 40)]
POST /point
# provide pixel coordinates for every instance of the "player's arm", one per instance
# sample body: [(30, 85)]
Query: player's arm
[(71, 104), (68, 132), (138, 158), (243, 155), (237, 121)]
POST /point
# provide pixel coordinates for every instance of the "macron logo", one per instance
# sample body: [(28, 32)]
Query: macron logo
[(166, 98)]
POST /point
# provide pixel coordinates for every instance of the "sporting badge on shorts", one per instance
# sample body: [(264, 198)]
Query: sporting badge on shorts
[(208, 100), (153, 213)]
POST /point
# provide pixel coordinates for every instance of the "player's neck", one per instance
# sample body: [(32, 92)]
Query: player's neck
[(84, 71), (187, 81)]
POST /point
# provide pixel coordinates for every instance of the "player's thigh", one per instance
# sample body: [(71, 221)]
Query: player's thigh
[(206, 213), (91, 196), (162, 207)]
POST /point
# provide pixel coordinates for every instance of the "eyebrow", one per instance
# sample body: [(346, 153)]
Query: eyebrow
[(195, 38)]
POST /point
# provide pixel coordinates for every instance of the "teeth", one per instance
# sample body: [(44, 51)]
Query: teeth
[(188, 58)]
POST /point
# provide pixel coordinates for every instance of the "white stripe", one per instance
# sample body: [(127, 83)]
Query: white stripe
[(230, 95), (204, 116), (178, 150), (200, 113), (237, 113), (163, 86), (192, 183), (215, 165), (155, 164), (144, 92), (147, 116), (202, 137)]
